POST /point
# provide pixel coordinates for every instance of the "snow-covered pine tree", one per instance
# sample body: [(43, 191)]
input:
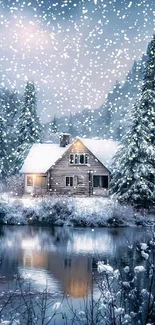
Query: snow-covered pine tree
[(71, 128), (12, 113), (134, 173), (54, 126), (10, 107), (10, 102), (133, 167), (29, 126), (110, 109), (50, 131), (3, 152), (147, 101)]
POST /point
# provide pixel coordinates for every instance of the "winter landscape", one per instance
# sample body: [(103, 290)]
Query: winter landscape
[(77, 162)]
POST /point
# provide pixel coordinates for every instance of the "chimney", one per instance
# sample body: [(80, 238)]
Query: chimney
[(64, 139)]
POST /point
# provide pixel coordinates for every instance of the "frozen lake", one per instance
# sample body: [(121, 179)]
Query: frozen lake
[(64, 261)]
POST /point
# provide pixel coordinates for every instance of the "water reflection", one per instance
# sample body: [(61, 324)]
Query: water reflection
[(63, 258)]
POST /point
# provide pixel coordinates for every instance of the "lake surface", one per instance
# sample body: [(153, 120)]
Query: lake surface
[(64, 261)]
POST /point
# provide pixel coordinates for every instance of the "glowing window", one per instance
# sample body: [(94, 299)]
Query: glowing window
[(29, 180)]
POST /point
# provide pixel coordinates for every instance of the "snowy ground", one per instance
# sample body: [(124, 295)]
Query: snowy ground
[(79, 211)]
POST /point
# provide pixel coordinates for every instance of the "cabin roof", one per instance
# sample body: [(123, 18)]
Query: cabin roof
[(103, 150), (43, 156)]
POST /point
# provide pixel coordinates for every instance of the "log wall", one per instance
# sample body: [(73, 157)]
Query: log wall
[(82, 174)]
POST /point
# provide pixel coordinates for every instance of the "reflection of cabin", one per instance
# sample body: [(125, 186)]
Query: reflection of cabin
[(36, 259), (80, 167), (73, 272)]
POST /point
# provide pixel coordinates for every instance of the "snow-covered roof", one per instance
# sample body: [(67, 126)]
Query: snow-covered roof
[(103, 150), (42, 156)]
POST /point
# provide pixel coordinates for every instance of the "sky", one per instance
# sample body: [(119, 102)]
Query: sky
[(74, 50)]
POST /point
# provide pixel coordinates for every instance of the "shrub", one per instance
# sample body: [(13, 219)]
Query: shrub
[(3, 211)]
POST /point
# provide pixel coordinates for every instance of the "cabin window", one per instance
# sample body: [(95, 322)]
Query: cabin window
[(29, 180), (96, 180), (69, 181), (71, 159), (82, 159), (105, 181), (78, 159), (86, 159), (100, 181)]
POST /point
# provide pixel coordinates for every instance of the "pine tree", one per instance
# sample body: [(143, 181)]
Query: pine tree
[(71, 128), (133, 174), (3, 151), (10, 107), (12, 113), (11, 103), (147, 102), (54, 127), (29, 126)]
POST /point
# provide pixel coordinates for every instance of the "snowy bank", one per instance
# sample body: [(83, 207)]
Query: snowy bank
[(93, 212)]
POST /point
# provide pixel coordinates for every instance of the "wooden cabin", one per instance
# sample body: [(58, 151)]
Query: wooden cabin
[(81, 167)]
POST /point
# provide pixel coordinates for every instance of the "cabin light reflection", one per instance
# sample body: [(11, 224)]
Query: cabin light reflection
[(31, 243), (40, 278), (9, 243), (90, 243), (84, 245)]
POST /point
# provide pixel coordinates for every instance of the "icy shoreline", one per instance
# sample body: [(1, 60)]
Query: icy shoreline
[(83, 212)]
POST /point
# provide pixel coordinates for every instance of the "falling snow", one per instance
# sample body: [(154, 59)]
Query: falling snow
[(74, 51), (77, 75), (79, 67)]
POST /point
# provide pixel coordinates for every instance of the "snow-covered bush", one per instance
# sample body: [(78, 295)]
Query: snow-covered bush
[(55, 211), (14, 186), (3, 211), (85, 212), (31, 214), (15, 213), (126, 296)]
